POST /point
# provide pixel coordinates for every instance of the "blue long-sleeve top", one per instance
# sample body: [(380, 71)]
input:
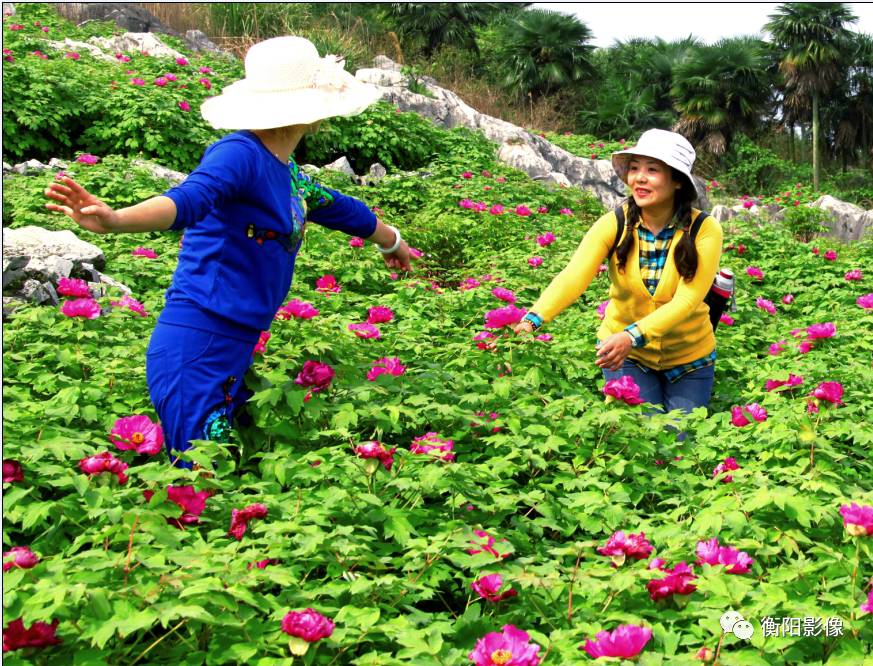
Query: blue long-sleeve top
[(232, 277)]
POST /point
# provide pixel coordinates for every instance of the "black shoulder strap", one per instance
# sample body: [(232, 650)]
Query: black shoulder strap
[(698, 221), (619, 229)]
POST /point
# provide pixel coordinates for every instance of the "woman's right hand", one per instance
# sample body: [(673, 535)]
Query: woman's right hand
[(81, 206), (524, 326)]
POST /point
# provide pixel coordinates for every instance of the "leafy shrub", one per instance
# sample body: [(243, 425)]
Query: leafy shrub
[(805, 222), (588, 146), (751, 168), (852, 186)]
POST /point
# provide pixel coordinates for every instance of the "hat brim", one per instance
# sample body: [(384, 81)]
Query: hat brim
[(621, 159), (240, 108)]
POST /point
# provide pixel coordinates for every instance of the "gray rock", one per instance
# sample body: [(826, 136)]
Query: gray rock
[(383, 77), (127, 15), (36, 242), (198, 41), (39, 292), (847, 222), (55, 163), (8, 9), (172, 177), (722, 213), (13, 271), (384, 62), (82, 47), (10, 304), (342, 165), (7, 168), (48, 269), (31, 166), (377, 172), (310, 169), (135, 41)]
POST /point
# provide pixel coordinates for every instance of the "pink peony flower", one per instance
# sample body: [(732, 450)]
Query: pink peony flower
[(535, 262), (853, 275), (315, 375), (73, 287), (830, 255), (542, 210), (81, 307), (307, 624), (738, 414), (726, 319), (625, 641), (506, 316), (104, 462), (625, 389), (377, 451), (388, 365), (804, 347), (366, 331), (523, 211), (16, 26), (120, 57), (496, 209), (867, 607), (565, 211), (469, 283), (865, 301), (788, 299), (679, 580), (87, 158), (239, 519), (161, 81), (39, 634), (297, 309), (503, 294), (821, 331), (138, 433), (765, 305), (619, 546), (355, 241), (857, 519), (776, 348), (793, 380), (206, 83), (12, 471), (488, 587), (736, 561), (830, 392), (170, 77), (481, 337), (755, 272), (379, 315), (327, 284), (261, 344), (192, 503), (467, 175), (601, 309), (545, 337), (262, 564), (500, 179), (184, 105), (182, 61), (20, 557), (510, 648), (72, 55), (131, 304), (432, 444), (546, 239), (205, 70), (136, 81), (146, 252), (726, 465)]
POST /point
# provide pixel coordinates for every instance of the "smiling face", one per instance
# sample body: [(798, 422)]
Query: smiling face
[(651, 183)]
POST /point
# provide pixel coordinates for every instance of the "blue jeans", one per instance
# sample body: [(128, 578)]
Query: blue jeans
[(692, 390)]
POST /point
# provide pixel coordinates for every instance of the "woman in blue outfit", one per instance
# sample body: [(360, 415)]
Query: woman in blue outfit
[(243, 210)]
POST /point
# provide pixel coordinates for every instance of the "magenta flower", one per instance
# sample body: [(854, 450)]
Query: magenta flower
[(510, 648), (20, 557), (679, 580), (546, 239), (523, 211), (16, 26), (131, 304), (327, 284), (867, 607), (830, 392), (379, 315), (146, 252), (355, 241), (87, 158), (136, 81), (821, 331), (365, 331), (853, 275), (376, 451), (755, 272), (483, 335), (804, 347), (748, 203), (565, 211), (506, 316), (206, 83), (865, 301), (765, 305), (72, 55), (503, 294), (469, 283), (73, 287), (388, 365), (738, 414), (170, 77), (601, 309), (87, 308), (793, 380), (625, 389), (488, 587), (736, 561), (262, 564), (120, 57), (466, 203), (297, 309), (500, 179), (788, 299), (433, 445), (315, 375), (467, 175), (726, 465), (545, 337), (307, 624), (830, 255), (184, 106), (192, 503), (39, 634), (625, 641), (261, 344), (138, 433), (776, 348), (239, 519), (857, 519), (496, 209), (12, 471), (542, 210), (182, 61), (104, 462), (535, 262), (8, 55), (726, 319), (620, 546)]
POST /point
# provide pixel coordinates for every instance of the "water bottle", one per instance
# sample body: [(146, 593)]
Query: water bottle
[(719, 294)]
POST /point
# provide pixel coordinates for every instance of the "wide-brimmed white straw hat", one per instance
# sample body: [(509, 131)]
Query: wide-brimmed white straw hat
[(671, 148), (287, 83)]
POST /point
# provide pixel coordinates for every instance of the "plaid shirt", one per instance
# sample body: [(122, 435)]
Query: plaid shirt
[(653, 256)]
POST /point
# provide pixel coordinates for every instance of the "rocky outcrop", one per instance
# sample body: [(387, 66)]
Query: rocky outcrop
[(534, 155), (135, 41), (848, 222)]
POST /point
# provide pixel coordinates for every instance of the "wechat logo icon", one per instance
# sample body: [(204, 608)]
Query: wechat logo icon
[(734, 623)]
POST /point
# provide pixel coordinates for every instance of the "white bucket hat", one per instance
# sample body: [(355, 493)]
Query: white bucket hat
[(671, 148), (287, 83)]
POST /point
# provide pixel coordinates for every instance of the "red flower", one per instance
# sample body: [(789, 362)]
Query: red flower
[(308, 624), (240, 518), (40, 634), (104, 462), (12, 471)]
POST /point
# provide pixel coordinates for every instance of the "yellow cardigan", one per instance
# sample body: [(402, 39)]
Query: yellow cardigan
[(674, 321)]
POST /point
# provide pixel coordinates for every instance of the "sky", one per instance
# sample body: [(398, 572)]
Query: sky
[(709, 21)]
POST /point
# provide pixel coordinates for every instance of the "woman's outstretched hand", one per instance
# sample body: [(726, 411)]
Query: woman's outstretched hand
[(401, 259), (614, 350), (81, 206), (524, 326)]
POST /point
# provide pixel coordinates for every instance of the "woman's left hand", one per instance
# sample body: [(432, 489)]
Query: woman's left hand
[(614, 350), (400, 260)]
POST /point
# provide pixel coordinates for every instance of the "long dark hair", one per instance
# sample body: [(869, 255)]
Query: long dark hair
[(685, 254)]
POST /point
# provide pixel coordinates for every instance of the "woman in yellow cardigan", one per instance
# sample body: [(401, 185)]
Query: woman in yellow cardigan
[(656, 327)]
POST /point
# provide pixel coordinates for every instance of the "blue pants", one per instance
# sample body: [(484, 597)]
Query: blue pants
[(195, 381), (692, 390)]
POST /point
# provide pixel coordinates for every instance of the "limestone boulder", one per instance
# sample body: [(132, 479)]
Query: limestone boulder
[(847, 221)]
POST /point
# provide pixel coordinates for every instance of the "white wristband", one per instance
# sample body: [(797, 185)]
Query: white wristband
[(394, 247)]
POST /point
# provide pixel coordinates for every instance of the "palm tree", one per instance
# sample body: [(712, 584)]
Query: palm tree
[(812, 37), (544, 51), (720, 90)]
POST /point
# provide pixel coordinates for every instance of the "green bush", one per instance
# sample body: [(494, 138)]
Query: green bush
[(752, 169), (805, 222)]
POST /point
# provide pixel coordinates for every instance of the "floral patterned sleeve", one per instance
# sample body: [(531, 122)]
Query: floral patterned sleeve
[(331, 209), (313, 194)]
